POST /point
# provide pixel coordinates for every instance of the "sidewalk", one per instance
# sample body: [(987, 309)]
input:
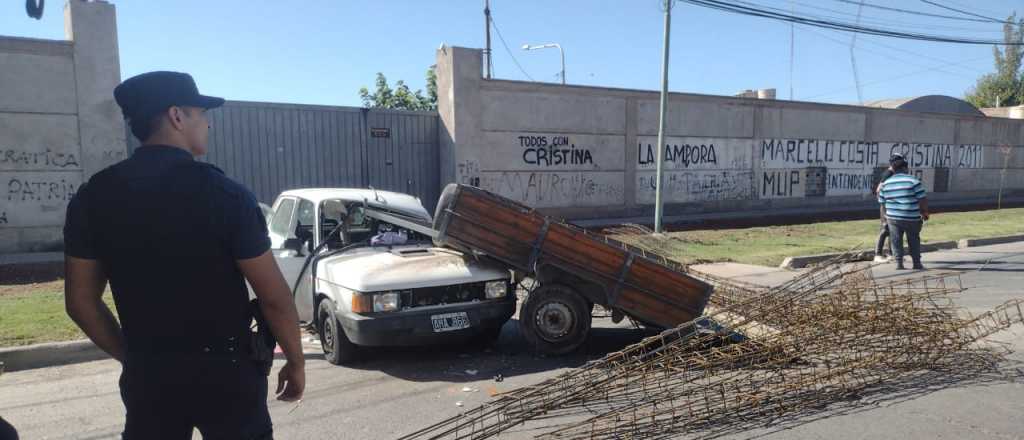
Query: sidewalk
[(748, 273)]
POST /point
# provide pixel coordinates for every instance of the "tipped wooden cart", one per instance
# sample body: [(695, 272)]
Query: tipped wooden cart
[(575, 269)]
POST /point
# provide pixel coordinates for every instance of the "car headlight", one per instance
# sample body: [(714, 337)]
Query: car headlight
[(385, 302), (496, 289)]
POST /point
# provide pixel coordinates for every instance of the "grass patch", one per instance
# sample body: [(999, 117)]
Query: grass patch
[(770, 245), (34, 313)]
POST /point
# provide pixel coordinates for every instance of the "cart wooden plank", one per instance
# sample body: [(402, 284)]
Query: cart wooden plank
[(639, 284)]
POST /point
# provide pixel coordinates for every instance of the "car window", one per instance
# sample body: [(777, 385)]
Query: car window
[(282, 218), (358, 221), (306, 214)]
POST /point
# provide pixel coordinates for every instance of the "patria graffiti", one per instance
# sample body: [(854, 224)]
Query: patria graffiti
[(39, 190)]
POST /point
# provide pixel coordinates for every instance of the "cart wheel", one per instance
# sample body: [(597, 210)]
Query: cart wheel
[(554, 319)]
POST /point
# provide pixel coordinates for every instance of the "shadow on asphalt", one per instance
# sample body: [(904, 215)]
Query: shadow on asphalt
[(509, 356)]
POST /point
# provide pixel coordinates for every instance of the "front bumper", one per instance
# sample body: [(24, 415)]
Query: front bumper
[(414, 327)]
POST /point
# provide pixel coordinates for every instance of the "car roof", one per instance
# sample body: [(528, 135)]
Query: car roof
[(392, 201)]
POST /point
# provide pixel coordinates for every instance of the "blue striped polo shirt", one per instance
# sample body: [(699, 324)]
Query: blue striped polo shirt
[(900, 194)]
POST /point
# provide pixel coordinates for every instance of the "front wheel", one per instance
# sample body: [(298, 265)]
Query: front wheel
[(337, 348), (555, 319)]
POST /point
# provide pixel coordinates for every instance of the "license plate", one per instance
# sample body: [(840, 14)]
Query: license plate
[(450, 321)]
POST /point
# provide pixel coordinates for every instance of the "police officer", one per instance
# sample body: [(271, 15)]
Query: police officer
[(176, 240)]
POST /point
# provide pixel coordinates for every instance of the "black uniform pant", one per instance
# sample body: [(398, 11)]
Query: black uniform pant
[(166, 397)]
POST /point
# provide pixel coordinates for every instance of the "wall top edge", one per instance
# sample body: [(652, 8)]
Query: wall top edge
[(292, 106), (35, 46), (521, 86)]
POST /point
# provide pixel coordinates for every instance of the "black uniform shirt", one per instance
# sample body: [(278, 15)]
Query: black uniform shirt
[(168, 230)]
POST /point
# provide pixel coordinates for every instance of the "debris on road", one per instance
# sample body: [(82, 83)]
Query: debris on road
[(833, 335)]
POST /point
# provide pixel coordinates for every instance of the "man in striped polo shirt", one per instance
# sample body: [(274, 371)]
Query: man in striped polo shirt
[(906, 207)]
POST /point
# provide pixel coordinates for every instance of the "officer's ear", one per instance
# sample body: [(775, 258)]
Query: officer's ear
[(176, 116)]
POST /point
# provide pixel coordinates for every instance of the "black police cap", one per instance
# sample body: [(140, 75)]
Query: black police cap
[(143, 96)]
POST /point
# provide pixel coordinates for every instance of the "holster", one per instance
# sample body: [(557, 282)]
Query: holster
[(262, 340)]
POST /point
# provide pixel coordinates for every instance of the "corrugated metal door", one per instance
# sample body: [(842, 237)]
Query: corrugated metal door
[(275, 147)]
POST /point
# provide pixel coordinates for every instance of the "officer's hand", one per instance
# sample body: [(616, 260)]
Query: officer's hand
[(291, 382)]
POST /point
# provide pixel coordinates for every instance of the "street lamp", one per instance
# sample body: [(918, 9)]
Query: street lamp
[(546, 46)]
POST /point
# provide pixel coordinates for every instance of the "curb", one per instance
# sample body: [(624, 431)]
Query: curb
[(800, 262), (31, 258), (972, 242), (49, 354)]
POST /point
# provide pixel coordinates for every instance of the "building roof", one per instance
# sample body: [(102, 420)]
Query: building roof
[(929, 104)]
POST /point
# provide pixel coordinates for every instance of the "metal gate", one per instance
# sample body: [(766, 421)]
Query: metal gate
[(271, 148)]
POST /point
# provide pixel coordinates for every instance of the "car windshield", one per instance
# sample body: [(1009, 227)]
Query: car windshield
[(359, 227)]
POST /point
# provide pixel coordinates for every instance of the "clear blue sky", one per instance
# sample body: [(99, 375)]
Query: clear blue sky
[(322, 51)]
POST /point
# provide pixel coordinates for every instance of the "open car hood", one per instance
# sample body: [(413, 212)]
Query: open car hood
[(382, 268)]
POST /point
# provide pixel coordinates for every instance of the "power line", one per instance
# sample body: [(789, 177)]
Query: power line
[(853, 56), (909, 52), (926, 14), (879, 21), (892, 57), (996, 20), (972, 5), (503, 43), (756, 12), (893, 78)]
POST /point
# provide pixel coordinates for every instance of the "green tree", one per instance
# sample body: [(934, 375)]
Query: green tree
[(1006, 84), (400, 97)]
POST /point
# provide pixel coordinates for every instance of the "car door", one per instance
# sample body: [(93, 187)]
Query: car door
[(301, 283), (282, 228)]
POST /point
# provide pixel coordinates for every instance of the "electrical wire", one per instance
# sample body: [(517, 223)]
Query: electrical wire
[(926, 14), (841, 26), (891, 57), (881, 21), (963, 5), (948, 8), (892, 78), (503, 43)]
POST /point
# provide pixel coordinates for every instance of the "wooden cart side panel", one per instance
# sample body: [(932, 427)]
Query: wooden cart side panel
[(647, 308), (486, 211), (492, 228), (678, 291), (467, 235), (584, 252), (662, 279), (507, 231)]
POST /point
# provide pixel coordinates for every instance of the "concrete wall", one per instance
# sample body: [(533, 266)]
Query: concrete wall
[(59, 123), (588, 152)]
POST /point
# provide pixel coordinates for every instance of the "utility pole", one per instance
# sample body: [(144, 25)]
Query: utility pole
[(659, 175), (792, 35), (487, 32), (853, 57)]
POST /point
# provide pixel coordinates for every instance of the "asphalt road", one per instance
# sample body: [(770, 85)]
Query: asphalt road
[(397, 391)]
